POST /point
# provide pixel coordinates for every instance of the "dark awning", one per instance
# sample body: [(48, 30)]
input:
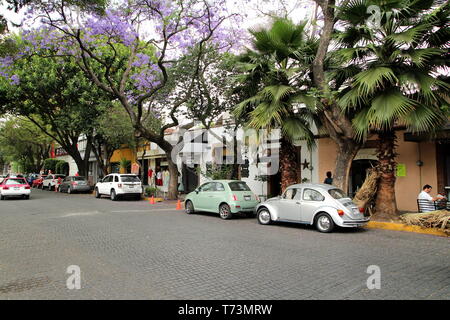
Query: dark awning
[(442, 135)]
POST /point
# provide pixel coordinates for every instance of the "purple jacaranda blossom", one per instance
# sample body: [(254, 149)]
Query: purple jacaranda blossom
[(170, 28), (14, 79)]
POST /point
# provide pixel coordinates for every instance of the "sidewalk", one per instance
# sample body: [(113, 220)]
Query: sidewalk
[(394, 226)]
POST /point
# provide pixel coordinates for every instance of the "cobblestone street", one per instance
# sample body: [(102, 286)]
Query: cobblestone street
[(134, 250)]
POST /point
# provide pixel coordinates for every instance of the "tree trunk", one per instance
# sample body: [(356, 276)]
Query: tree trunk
[(347, 150), (385, 203), (173, 181), (81, 165), (289, 164), (234, 172)]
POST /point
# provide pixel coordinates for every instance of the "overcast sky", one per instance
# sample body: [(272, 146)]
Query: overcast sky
[(255, 11)]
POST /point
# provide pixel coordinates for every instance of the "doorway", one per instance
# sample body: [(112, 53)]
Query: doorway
[(358, 173), (190, 177)]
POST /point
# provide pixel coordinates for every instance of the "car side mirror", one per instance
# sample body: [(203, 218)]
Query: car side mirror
[(197, 191)]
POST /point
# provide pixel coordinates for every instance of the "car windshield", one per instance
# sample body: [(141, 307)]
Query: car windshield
[(60, 176), (78, 178), (238, 186), (15, 181), (337, 193), (130, 179)]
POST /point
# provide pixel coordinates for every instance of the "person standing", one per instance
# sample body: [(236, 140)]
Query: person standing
[(328, 179)]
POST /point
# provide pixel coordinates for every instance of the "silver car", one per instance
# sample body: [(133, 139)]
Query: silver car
[(321, 205), (73, 184)]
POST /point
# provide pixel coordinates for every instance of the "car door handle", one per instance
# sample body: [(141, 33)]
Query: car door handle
[(298, 203)]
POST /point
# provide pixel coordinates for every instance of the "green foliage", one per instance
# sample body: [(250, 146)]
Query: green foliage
[(23, 142), (62, 167), (278, 74), (151, 191), (50, 164), (125, 164), (218, 171), (397, 67)]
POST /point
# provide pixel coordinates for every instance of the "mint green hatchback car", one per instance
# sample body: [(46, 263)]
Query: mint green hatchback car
[(226, 197)]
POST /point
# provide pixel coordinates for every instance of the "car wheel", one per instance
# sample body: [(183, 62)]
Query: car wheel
[(138, 197), (225, 211), (2, 197), (27, 197), (264, 216), (113, 195), (189, 207), (324, 223), (97, 194), (69, 190)]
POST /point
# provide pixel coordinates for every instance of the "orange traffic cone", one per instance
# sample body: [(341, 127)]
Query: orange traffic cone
[(178, 205), (152, 200)]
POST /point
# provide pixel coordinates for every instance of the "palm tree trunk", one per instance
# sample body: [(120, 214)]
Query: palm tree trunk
[(385, 203), (289, 164)]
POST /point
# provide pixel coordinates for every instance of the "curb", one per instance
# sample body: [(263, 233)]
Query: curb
[(403, 227), (156, 199)]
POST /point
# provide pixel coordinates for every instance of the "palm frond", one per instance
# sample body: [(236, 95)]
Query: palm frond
[(371, 79), (388, 107)]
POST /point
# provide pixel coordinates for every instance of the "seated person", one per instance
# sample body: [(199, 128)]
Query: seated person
[(426, 201)]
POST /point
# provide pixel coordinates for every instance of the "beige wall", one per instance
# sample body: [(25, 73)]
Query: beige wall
[(406, 188)]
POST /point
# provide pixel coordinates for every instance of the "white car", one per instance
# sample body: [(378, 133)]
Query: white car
[(51, 180), (119, 185), (14, 187), (316, 204)]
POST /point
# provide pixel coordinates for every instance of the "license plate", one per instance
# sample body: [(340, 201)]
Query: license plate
[(16, 188), (247, 198)]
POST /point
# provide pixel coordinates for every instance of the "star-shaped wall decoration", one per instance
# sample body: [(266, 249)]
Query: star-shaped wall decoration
[(305, 164)]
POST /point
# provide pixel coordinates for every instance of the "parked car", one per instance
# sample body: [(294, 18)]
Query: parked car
[(38, 182), (15, 187), (225, 197), (321, 205), (31, 177), (119, 185), (51, 181), (72, 184)]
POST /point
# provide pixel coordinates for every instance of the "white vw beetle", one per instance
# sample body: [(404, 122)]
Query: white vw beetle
[(321, 205)]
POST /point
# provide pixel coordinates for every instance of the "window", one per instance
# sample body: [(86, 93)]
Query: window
[(116, 179), (312, 195), (219, 187), (337, 193), (130, 179), (238, 186), (207, 187), (290, 194), (107, 179), (79, 178), (66, 179), (15, 181)]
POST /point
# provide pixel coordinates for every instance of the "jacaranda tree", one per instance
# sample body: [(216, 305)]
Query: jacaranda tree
[(127, 52)]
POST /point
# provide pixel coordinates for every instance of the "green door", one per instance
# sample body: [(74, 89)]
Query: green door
[(203, 197)]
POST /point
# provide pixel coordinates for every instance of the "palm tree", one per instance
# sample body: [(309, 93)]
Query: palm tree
[(277, 72), (397, 76)]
